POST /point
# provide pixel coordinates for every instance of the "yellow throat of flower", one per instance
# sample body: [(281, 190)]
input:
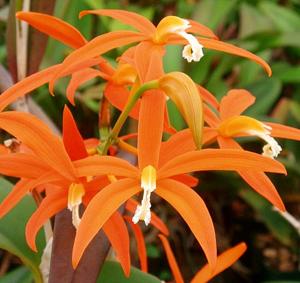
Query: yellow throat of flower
[(148, 184), (124, 74), (172, 25), (244, 125), (75, 194)]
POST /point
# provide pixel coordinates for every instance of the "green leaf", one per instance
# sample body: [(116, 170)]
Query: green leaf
[(212, 13), (287, 73), (284, 19), (267, 91), (252, 21), (175, 117), (12, 231), (295, 110), (250, 72), (113, 273), (173, 60), (279, 227), (19, 275)]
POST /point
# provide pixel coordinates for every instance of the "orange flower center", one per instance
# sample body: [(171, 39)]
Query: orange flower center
[(125, 74), (244, 125), (172, 25)]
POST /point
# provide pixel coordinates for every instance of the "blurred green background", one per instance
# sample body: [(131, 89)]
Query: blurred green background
[(268, 28)]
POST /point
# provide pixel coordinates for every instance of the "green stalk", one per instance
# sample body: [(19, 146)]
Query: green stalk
[(103, 148)]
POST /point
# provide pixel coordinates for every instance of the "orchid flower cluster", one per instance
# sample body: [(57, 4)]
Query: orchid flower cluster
[(70, 172)]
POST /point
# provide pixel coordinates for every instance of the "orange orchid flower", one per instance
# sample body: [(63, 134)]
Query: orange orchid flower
[(224, 260), (228, 124), (147, 56), (231, 123), (150, 177), (51, 162)]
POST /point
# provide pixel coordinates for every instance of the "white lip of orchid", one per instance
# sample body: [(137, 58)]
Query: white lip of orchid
[(76, 192), (272, 148), (192, 51), (148, 184), (75, 216)]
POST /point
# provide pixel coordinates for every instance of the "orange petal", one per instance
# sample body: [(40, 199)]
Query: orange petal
[(177, 144), (194, 211), (18, 192), (171, 259), (219, 159), (26, 85), (93, 187), (72, 138), (227, 48), (210, 117), (70, 69), (184, 93), (21, 189), (116, 231), (131, 206), (135, 20), (96, 47), (102, 206), (150, 128), (105, 165), (257, 180), (140, 241), (262, 184), (148, 60), (209, 135), (39, 138), (54, 27), (234, 50), (235, 102), (79, 78), (282, 131), (4, 149), (51, 205), (22, 165), (208, 97), (200, 29), (224, 260), (118, 97), (188, 180)]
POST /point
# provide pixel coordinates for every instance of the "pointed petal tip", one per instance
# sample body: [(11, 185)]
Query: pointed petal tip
[(83, 13), (126, 271), (242, 246), (74, 262), (19, 14)]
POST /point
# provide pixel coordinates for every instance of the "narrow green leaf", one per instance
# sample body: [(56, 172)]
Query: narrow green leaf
[(267, 91), (286, 20), (19, 275), (175, 117), (212, 13), (252, 21), (112, 272), (12, 231), (279, 227), (173, 61), (287, 73)]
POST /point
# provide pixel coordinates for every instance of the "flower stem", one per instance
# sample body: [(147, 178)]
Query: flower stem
[(103, 148)]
